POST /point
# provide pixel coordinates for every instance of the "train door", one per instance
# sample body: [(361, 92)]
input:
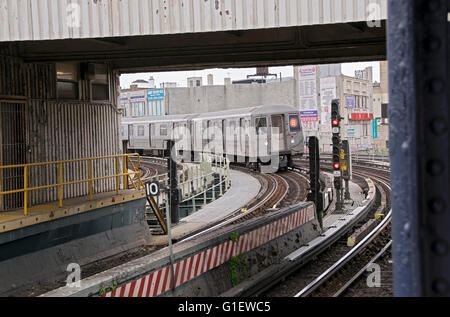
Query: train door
[(130, 136), (224, 138), (278, 133), (262, 137), (205, 136), (151, 133), (197, 135), (244, 138)]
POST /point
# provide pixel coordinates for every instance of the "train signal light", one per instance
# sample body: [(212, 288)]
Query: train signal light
[(335, 117), (337, 166)]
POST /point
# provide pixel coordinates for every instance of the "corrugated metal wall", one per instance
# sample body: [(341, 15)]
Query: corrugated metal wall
[(58, 130), (62, 19)]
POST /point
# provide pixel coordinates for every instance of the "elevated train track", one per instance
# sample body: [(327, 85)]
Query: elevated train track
[(287, 188), (336, 276)]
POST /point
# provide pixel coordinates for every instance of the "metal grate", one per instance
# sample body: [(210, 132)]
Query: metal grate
[(13, 150)]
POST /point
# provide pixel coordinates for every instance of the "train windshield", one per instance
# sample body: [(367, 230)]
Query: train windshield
[(294, 123)]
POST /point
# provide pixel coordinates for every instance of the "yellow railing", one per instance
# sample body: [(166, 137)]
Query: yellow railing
[(126, 174)]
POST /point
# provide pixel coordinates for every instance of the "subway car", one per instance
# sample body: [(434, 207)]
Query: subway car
[(263, 138)]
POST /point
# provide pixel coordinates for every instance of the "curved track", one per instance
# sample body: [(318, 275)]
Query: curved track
[(332, 274)]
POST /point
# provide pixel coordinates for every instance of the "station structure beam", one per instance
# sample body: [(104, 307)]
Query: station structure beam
[(418, 33)]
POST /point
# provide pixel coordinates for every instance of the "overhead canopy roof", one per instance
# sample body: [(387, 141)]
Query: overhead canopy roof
[(25, 20)]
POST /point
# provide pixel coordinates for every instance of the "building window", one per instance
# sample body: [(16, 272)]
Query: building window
[(67, 81), (156, 108), (137, 109), (125, 111), (384, 110), (98, 74)]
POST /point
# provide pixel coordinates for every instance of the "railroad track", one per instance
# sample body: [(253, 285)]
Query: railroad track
[(339, 277), (277, 190), (345, 271)]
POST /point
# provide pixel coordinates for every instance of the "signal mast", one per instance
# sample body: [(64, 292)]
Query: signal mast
[(337, 146)]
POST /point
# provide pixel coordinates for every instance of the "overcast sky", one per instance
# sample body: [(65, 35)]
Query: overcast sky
[(235, 73)]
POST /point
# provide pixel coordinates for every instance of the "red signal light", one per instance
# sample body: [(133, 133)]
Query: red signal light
[(336, 166), (335, 123)]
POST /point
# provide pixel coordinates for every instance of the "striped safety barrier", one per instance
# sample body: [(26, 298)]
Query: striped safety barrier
[(158, 282)]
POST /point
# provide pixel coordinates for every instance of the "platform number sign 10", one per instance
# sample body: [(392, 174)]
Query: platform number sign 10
[(152, 189)]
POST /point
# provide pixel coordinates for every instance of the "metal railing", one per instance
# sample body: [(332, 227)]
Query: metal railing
[(196, 181), (126, 173)]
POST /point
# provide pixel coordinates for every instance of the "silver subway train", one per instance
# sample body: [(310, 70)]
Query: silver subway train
[(264, 137)]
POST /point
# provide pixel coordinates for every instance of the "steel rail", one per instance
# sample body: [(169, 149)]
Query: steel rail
[(347, 257), (275, 180), (363, 270), (235, 218), (278, 272)]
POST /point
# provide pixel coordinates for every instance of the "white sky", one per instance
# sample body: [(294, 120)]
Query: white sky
[(235, 74)]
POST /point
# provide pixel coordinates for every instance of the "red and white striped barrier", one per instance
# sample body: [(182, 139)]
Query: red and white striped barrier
[(158, 282)]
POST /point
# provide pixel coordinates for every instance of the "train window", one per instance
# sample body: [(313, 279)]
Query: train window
[(294, 123), (261, 125), (141, 130), (163, 130)]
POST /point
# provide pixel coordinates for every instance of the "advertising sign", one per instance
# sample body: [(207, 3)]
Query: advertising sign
[(350, 131), (308, 87), (374, 129), (155, 94), (327, 94), (350, 101), (137, 98), (310, 120)]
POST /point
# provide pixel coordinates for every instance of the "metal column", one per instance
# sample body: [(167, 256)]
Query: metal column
[(419, 141), (315, 194), (174, 192)]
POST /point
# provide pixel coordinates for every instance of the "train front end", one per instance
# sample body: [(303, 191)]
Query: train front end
[(295, 138)]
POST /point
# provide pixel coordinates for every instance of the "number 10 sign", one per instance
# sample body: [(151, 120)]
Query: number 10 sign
[(152, 189)]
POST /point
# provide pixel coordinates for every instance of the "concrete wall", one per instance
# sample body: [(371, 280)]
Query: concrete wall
[(202, 265), (217, 98), (40, 254)]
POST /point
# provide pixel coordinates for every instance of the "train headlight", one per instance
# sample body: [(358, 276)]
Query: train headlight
[(292, 141)]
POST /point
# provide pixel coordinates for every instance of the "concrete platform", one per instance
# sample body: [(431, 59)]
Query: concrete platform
[(358, 197), (336, 222), (243, 189), (13, 220)]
